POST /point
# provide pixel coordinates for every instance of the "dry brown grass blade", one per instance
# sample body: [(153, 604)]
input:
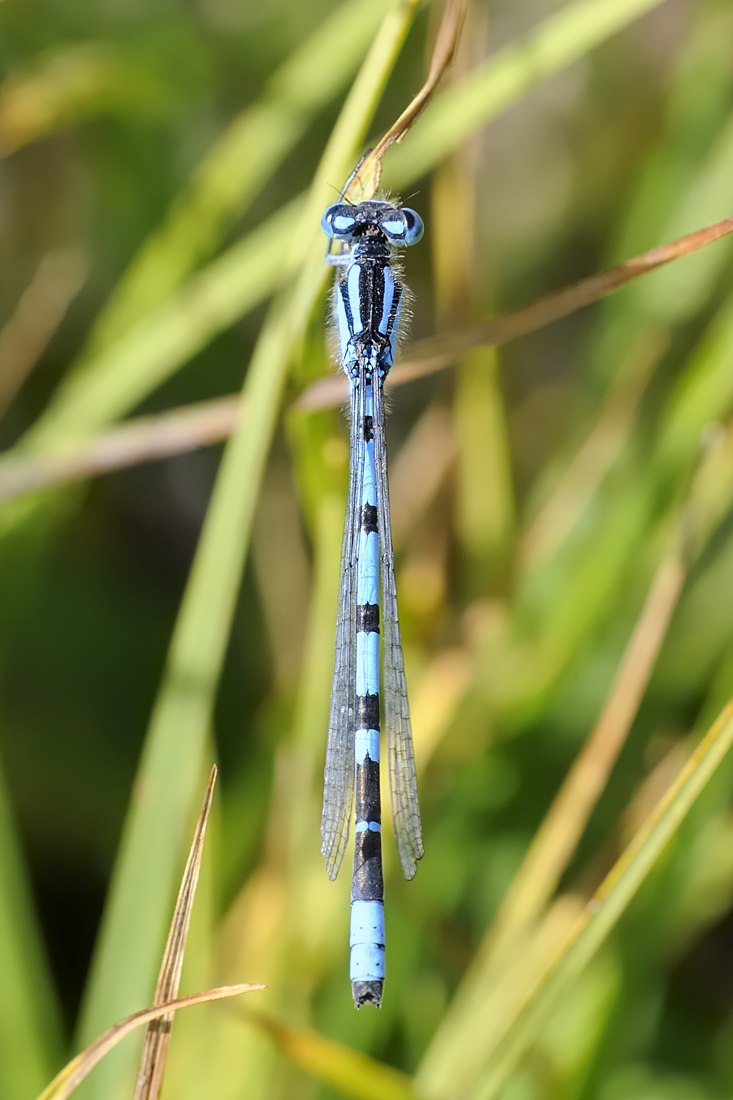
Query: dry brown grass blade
[(79, 1067), (39, 313), (152, 1062), (428, 356), (130, 444), (364, 181)]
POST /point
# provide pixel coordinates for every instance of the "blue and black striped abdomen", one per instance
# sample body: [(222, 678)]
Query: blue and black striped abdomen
[(367, 887)]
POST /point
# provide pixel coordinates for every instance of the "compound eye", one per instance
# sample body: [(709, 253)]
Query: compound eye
[(338, 222), (414, 227), (394, 227)]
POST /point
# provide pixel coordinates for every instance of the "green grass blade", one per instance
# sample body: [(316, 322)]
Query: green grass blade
[(353, 1074), (122, 374), (150, 326), (30, 1030), (463, 109), (230, 176), (72, 83), (606, 907)]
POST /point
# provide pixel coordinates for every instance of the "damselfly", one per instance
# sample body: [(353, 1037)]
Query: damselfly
[(367, 303)]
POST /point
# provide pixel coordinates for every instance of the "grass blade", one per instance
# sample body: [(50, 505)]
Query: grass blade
[(351, 1073), (157, 1039), (79, 1067), (465, 108), (30, 1024), (606, 907)]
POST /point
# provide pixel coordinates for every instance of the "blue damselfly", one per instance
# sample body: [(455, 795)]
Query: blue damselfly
[(367, 304)]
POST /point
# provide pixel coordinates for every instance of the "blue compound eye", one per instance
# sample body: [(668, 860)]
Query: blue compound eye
[(414, 227), (338, 222), (394, 227)]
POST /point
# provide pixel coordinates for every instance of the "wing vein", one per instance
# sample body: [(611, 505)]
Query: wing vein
[(398, 733), (338, 779)]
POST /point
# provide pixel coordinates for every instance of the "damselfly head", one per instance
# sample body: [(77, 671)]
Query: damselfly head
[(343, 221)]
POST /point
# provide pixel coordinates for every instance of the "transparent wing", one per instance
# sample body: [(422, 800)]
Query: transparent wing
[(338, 779), (398, 733)]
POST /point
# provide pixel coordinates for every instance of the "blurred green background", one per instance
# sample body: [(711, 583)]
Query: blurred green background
[(157, 252)]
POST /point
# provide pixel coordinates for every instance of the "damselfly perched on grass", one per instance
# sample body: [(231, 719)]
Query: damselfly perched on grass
[(368, 299)]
